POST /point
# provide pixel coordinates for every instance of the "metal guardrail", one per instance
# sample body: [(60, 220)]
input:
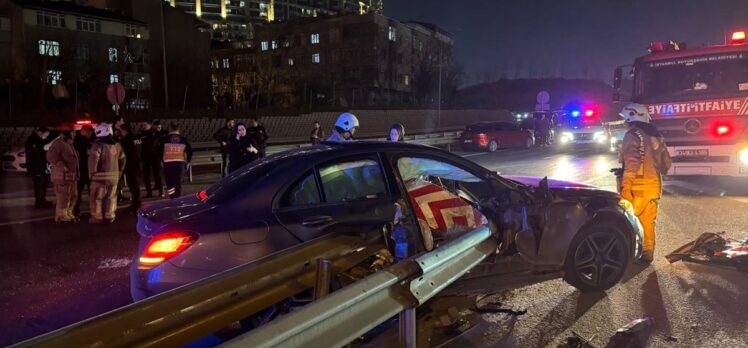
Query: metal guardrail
[(209, 155), (343, 316), (184, 314)]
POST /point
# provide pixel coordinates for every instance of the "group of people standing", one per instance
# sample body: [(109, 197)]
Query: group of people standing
[(240, 143), (102, 159)]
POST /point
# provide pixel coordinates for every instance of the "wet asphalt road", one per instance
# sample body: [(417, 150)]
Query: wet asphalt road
[(51, 276)]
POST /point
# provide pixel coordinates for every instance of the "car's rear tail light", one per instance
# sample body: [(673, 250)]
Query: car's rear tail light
[(202, 196), (483, 139), (164, 246)]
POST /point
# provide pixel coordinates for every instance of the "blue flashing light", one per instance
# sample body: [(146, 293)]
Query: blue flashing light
[(575, 113)]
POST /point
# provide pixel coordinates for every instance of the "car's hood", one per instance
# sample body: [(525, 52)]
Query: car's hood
[(171, 210), (568, 187)]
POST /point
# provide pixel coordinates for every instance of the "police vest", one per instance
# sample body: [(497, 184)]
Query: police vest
[(175, 152)]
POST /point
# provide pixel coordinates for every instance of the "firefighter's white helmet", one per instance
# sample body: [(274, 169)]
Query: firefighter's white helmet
[(346, 122), (635, 113), (103, 130)]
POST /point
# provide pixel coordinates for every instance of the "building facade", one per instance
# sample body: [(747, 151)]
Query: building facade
[(60, 54), (341, 61), (232, 20)]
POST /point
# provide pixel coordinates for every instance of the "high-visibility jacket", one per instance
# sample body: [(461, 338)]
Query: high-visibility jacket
[(645, 160), (176, 148), (106, 160)]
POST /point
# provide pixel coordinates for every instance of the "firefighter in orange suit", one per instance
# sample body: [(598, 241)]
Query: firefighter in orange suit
[(176, 153), (106, 160), (645, 160)]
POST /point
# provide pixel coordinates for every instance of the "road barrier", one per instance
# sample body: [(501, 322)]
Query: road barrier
[(195, 310), (343, 316), (187, 313)]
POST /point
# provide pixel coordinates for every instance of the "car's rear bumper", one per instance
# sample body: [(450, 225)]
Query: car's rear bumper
[(468, 144), (162, 278)]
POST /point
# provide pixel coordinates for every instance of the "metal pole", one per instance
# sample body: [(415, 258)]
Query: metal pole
[(407, 320), (184, 101), (439, 101), (322, 284), (163, 56)]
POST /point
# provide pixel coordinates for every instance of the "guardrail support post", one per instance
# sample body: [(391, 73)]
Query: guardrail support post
[(407, 321), (322, 284)]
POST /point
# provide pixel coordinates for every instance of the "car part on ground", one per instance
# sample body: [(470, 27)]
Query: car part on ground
[(713, 249)]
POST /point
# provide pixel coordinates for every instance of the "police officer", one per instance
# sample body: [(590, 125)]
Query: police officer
[(149, 142), (176, 153), (645, 160), (106, 160), (223, 137), (36, 165), (345, 128), (64, 160)]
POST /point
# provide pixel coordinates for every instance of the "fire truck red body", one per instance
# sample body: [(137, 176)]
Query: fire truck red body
[(698, 99)]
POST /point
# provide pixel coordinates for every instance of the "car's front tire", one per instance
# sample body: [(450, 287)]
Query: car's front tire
[(597, 258)]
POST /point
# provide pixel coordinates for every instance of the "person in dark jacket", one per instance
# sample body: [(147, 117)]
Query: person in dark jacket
[(82, 143), (258, 134), (36, 165), (132, 164), (223, 137), (243, 149), (176, 154), (317, 134), (149, 141)]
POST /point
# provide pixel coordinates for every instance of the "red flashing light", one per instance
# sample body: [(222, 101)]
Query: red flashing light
[(83, 122), (164, 246), (723, 130), (589, 113), (738, 37)]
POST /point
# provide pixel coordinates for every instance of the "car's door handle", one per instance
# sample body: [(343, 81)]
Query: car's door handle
[(317, 221)]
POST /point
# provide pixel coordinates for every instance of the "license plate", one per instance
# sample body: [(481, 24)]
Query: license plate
[(692, 153), (468, 141)]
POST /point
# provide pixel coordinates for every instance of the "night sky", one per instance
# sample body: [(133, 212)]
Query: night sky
[(568, 38)]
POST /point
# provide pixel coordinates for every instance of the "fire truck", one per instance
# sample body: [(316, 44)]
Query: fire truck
[(698, 99)]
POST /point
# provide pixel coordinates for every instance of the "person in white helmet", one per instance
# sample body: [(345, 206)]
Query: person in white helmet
[(106, 161), (345, 128), (645, 160)]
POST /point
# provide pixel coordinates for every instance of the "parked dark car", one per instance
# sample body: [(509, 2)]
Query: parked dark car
[(492, 136), (299, 195)]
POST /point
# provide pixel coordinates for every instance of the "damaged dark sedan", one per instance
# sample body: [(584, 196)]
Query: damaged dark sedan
[(420, 196)]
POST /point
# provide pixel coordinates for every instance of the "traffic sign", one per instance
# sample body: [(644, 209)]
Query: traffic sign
[(115, 93)]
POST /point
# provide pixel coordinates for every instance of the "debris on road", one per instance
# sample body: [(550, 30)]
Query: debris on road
[(635, 326), (713, 249), (579, 341), (114, 263), (671, 339), (497, 307)]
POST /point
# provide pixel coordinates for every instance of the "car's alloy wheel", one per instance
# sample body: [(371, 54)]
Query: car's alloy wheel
[(528, 143), (493, 146), (597, 259)]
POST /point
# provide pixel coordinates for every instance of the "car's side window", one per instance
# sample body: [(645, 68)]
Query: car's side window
[(352, 181), (304, 192)]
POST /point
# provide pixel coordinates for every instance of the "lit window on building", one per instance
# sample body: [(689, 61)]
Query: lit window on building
[(132, 31), (290, 61), (315, 39), (241, 3), (50, 19), (264, 45), (274, 45), (113, 78), (87, 24), (54, 77), (226, 63), (49, 48), (315, 58), (406, 80), (392, 34), (112, 54)]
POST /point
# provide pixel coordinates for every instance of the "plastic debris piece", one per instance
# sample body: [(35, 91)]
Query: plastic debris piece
[(635, 326)]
